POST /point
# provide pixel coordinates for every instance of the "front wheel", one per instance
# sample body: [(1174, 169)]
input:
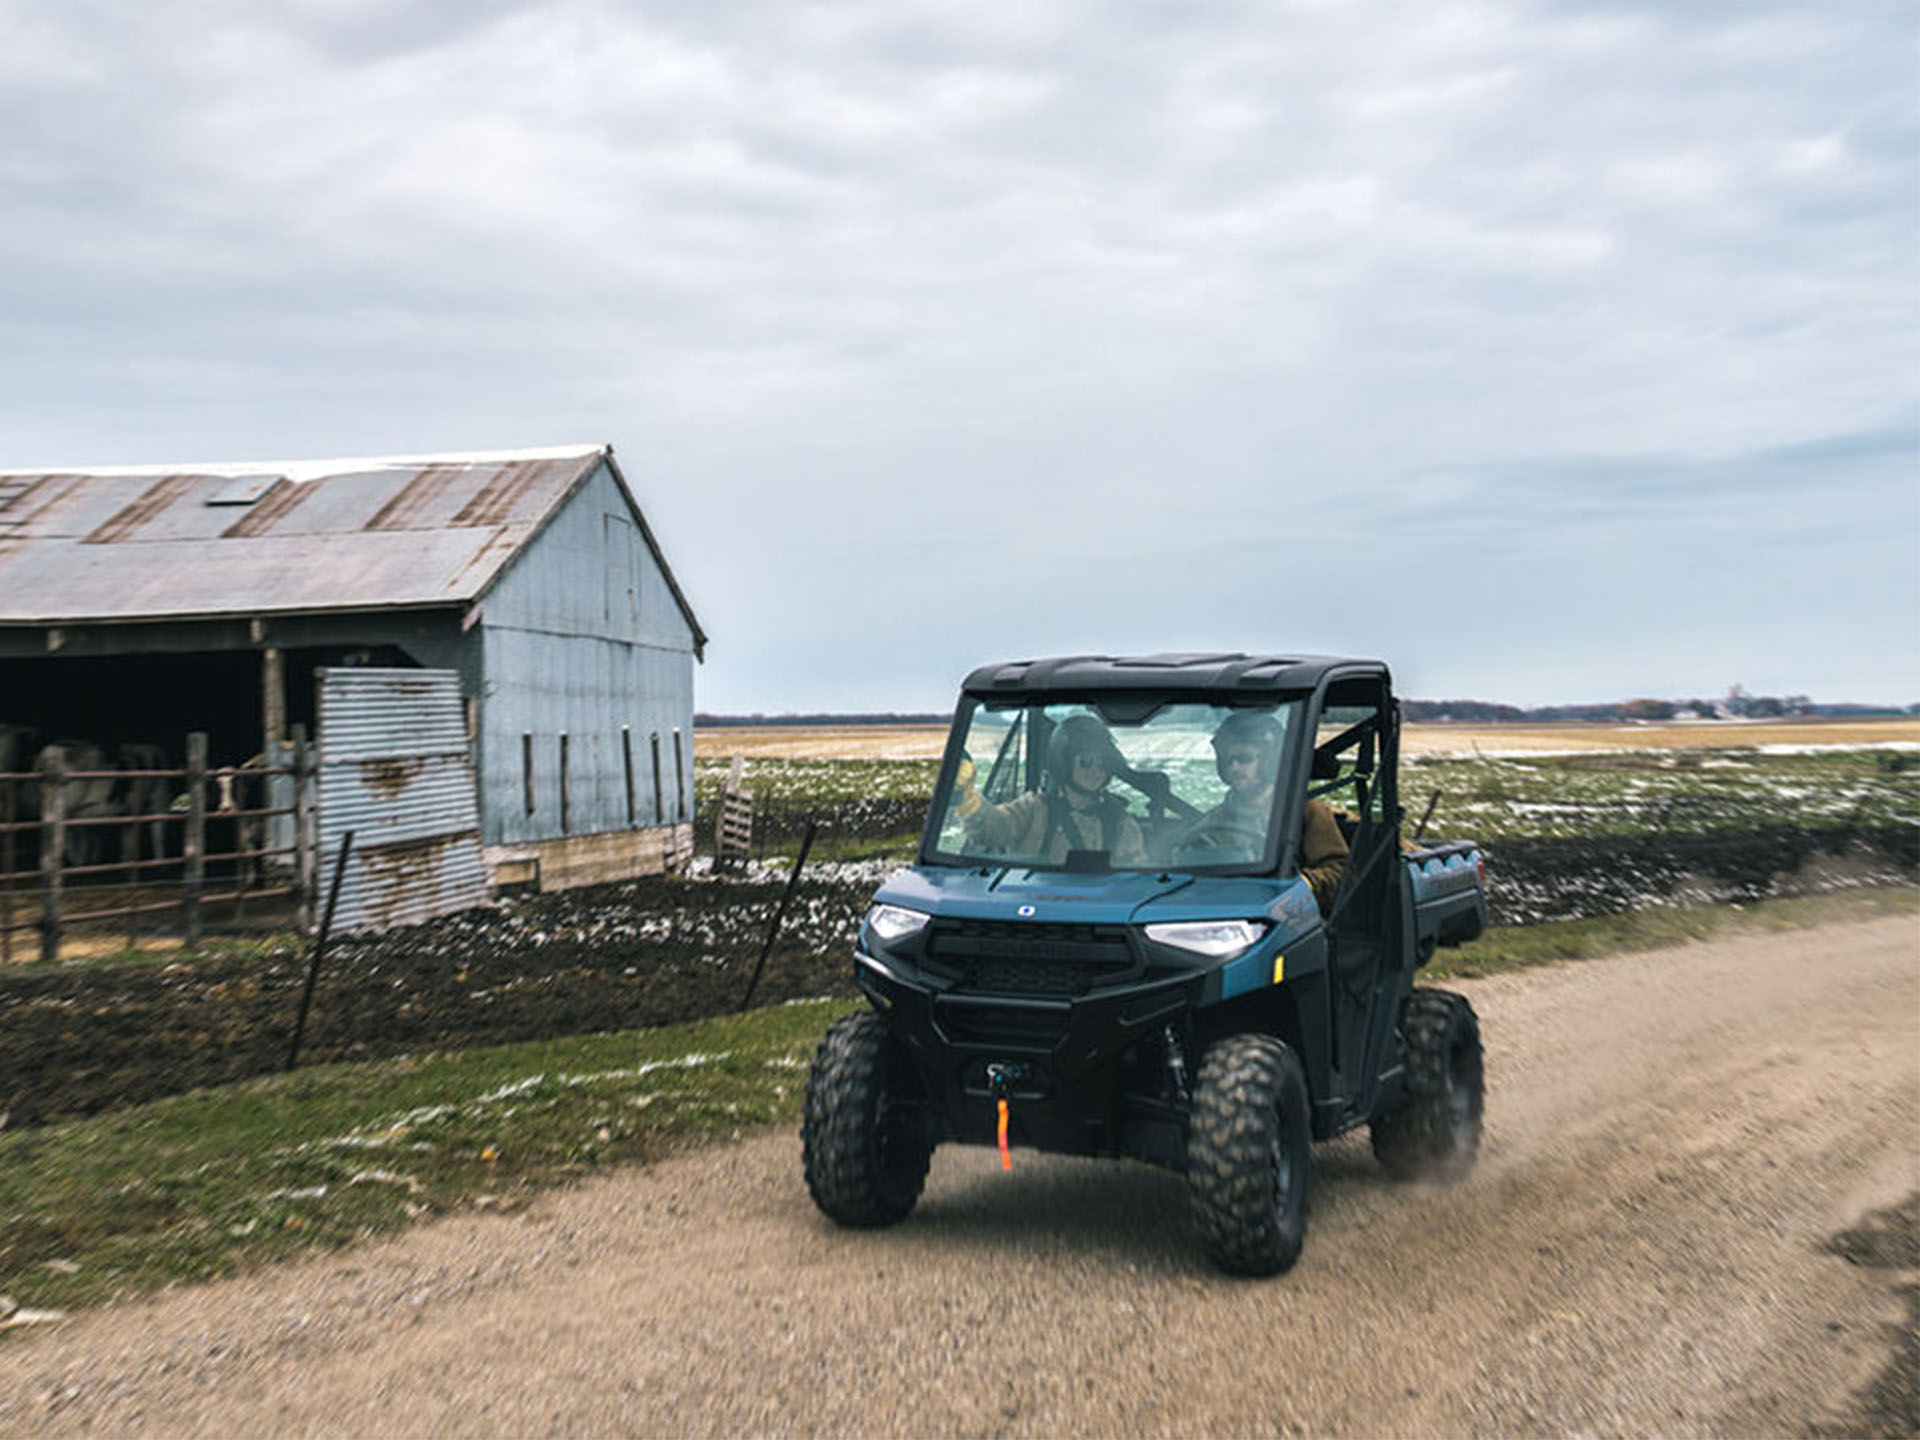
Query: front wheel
[(865, 1141), (1434, 1134), (1248, 1151)]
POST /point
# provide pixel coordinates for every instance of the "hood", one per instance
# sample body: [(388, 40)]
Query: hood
[(1004, 893), (1117, 898)]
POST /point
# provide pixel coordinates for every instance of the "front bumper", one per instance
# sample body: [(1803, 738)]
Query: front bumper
[(1083, 1075)]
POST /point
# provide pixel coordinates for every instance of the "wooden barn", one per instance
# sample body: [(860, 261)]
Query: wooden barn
[(490, 649)]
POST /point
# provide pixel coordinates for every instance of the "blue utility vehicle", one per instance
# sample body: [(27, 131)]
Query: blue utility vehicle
[(1164, 909)]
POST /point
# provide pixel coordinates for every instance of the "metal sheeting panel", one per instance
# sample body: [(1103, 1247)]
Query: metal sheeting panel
[(542, 685), (396, 771), (340, 535)]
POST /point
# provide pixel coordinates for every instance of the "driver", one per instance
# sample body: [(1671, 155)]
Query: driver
[(1246, 753), (1072, 811)]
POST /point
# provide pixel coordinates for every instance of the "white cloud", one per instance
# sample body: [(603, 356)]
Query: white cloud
[(881, 276)]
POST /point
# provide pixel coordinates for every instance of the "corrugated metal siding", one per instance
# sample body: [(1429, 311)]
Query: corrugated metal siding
[(542, 685), (584, 635), (396, 771)]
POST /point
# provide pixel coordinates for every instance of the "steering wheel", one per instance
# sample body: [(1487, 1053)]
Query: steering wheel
[(1218, 832)]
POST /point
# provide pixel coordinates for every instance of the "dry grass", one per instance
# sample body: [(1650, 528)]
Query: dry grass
[(822, 742), (924, 742)]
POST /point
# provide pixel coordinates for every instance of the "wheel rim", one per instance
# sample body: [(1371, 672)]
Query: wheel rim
[(1461, 1088), (896, 1138), (1282, 1175)]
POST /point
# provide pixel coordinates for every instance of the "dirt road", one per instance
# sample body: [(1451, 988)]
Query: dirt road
[(1670, 1138)]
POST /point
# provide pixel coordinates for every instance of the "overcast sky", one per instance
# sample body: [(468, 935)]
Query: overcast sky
[(1550, 352)]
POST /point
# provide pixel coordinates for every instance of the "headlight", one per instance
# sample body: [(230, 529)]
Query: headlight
[(1216, 939), (891, 922)]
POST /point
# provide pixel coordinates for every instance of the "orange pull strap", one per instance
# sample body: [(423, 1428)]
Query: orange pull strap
[(1006, 1151)]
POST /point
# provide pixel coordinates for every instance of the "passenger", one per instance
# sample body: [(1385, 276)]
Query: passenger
[(1246, 753), (1072, 810)]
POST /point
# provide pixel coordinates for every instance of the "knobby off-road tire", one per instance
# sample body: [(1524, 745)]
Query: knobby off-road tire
[(1249, 1145), (1435, 1133), (865, 1140)]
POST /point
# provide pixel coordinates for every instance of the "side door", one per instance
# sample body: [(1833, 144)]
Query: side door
[(1356, 742)]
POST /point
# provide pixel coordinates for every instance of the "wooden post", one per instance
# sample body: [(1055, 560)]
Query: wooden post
[(193, 852), (626, 760), (9, 812), (305, 871), (273, 699), (53, 846)]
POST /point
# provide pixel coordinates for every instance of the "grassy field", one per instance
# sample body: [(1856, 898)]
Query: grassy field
[(1491, 782), (212, 1182)]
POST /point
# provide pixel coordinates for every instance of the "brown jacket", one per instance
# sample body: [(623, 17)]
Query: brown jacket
[(1020, 828), (1323, 852)]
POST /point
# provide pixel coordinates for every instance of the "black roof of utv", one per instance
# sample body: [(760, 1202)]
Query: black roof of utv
[(1228, 674)]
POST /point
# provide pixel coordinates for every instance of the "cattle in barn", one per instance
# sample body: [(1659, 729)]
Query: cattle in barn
[(240, 790), (144, 793), (18, 745), (93, 797)]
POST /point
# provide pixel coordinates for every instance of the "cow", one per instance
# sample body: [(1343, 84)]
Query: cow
[(18, 745), (144, 793), (92, 798), (241, 789)]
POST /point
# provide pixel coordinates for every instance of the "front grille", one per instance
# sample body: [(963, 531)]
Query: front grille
[(1038, 958), (1003, 1025)]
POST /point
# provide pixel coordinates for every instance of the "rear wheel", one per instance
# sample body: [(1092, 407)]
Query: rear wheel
[(865, 1141), (1248, 1151), (1435, 1133)]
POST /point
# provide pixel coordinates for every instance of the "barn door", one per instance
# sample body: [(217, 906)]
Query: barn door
[(396, 770)]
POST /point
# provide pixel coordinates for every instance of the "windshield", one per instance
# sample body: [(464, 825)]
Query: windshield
[(1051, 786)]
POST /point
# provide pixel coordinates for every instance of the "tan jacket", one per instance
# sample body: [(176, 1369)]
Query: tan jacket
[(1323, 849), (1019, 828)]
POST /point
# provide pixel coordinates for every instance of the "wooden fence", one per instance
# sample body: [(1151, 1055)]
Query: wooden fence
[(190, 840)]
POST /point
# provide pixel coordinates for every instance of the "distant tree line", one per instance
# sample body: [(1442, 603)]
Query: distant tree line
[(1736, 704), (704, 721)]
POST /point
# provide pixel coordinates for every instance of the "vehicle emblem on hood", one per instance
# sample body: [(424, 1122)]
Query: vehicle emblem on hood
[(1026, 912)]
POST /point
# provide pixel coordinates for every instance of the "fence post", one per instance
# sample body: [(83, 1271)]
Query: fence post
[(319, 951), (193, 852), (9, 812), (779, 915), (303, 866), (53, 846)]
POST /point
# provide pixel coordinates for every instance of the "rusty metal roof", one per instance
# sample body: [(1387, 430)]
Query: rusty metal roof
[(273, 538)]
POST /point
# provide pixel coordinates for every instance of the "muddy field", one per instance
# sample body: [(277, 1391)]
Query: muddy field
[(77, 1039)]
